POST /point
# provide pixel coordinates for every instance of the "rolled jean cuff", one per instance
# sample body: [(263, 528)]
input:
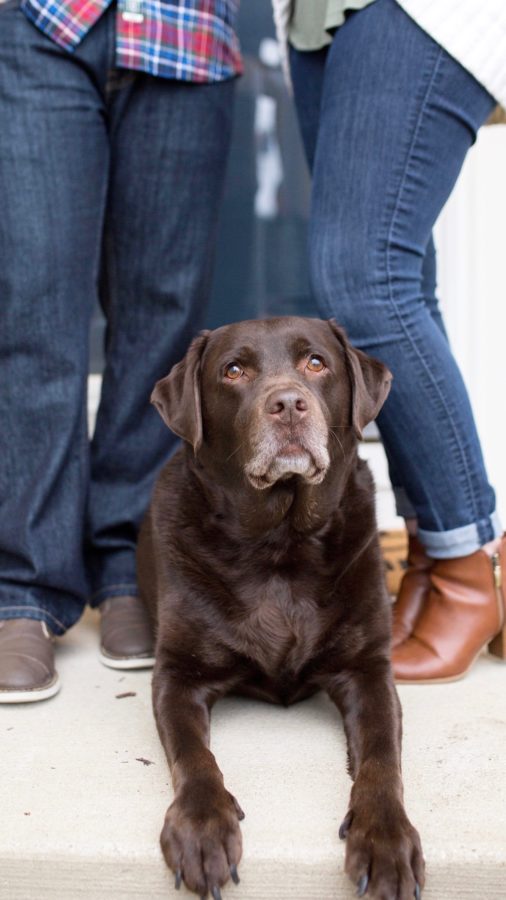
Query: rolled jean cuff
[(403, 505), (37, 609), (460, 541)]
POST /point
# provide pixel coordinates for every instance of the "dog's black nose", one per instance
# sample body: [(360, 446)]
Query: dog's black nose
[(287, 405)]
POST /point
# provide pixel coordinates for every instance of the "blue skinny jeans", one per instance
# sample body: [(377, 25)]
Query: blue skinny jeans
[(387, 117), (110, 183)]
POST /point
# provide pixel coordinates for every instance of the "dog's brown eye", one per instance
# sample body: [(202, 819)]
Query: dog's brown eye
[(233, 371), (315, 363)]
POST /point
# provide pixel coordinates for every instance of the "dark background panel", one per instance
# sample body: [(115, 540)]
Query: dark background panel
[(261, 259)]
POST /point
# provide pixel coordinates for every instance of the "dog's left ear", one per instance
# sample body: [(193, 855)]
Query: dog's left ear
[(177, 396), (370, 381)]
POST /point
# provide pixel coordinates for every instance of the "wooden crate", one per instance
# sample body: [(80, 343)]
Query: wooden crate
[(394, 547)]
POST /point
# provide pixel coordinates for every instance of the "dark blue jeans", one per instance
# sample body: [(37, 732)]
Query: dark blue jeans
[(110, 183), (387, 117)]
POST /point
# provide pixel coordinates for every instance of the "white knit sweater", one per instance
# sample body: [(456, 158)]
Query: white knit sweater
[(472, 31)]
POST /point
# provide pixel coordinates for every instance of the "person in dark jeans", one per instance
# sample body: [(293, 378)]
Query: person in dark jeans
[(387, 115), (115, 123)]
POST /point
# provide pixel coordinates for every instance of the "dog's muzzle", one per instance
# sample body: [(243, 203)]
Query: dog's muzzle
[(291, 438)]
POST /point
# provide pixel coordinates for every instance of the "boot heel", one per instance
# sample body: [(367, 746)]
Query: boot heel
[(497, 646)]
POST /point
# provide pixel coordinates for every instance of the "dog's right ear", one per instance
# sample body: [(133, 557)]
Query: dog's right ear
[(177, 396)]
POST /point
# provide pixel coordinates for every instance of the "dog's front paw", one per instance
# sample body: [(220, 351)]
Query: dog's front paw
[(383, 853), (201, 840)]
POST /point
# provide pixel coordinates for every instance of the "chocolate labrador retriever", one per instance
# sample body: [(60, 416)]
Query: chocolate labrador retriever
[(260, 566)]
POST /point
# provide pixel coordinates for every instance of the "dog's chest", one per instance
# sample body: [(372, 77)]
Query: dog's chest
[(279, 628)]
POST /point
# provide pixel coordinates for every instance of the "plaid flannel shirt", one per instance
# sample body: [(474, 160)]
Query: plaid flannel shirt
[(191, 40)]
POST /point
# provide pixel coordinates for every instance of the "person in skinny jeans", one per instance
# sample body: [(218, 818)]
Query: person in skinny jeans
[(387, 117)]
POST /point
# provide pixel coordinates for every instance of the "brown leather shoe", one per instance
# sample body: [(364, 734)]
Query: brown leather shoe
[(464, 611), (126, 639), (27, 670), (413, 592)]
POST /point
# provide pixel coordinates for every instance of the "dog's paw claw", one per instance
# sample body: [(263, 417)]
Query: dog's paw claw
[(178, 880), (215, 891), (362, 885), (234, 874), (345, 825), (418, 893), (240, 813)]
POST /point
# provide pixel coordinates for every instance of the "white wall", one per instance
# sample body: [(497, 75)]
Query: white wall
[(471, 242)]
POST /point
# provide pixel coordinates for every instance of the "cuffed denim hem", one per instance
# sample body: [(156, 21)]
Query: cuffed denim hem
[(34, 608), (460, 541), (403, 505), (121, 589)]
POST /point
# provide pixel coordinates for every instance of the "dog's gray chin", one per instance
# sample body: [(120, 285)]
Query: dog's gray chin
[(282, 468)]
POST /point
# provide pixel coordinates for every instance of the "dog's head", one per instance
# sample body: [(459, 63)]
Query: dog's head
[(275, 398)]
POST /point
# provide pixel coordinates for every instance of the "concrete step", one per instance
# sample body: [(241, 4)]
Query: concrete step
[(85, 788)]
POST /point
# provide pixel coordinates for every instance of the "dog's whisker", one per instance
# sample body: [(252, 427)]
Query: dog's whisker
[(338, 442), (235, 451)]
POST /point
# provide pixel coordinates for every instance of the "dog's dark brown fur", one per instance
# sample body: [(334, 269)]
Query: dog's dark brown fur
[(260, 565)]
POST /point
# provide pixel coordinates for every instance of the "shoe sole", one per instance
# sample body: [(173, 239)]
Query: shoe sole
[(450, 678), (31, 695), (128, 662)]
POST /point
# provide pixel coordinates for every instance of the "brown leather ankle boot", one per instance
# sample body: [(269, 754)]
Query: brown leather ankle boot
[(413, 591), (464, 611)]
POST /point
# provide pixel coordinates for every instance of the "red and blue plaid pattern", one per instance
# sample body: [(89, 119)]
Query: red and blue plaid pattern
[(191, 40)]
